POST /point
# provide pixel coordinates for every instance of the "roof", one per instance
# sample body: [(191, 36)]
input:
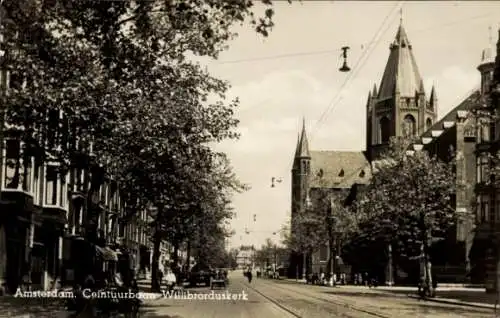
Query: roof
[(339, 169), (401, 72), (447, 122)]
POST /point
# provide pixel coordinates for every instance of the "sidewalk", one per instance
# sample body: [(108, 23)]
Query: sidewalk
[(448, 294)]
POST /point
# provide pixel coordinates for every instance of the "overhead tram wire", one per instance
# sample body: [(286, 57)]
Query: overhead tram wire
[(376, 38), (366, 44)]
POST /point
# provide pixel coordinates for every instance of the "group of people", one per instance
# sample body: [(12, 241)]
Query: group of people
[(169, 277)]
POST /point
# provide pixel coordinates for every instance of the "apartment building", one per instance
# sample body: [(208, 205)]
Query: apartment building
[(46, 209)]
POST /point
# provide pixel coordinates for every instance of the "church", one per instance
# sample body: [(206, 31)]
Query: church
[(400, 107)]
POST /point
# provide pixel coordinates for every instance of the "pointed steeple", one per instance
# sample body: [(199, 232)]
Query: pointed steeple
[(297, 147), (488, 54), (433, 97), (303, 146), (374, 91), (421, 88), (401, 73), (369, 100)]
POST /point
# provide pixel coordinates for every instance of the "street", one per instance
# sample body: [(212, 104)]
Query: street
[(273, 298)]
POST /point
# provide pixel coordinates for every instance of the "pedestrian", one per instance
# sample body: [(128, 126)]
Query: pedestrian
[(170, 279), (249, 275)]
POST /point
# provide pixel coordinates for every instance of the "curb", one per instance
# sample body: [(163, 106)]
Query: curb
[(454, 302)]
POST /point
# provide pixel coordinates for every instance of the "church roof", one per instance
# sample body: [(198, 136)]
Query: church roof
[(339, 169), (401, 73)]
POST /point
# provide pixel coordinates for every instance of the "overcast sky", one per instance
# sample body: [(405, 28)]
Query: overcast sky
[(294, 73)]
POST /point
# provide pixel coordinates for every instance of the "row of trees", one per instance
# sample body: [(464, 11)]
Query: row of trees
[(408, 205), (116, 78)]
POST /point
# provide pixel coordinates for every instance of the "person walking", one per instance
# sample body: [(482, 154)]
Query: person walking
[(249, 275)]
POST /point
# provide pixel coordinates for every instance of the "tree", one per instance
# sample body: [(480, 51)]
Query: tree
[(118, 72), (329, 216), (409, 203)]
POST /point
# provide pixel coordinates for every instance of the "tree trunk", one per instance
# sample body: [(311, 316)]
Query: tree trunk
[(304, 266), (188, 254), (155, 286), (175, 257), (428, 266)]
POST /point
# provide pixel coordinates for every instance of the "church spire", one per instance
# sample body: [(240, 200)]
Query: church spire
[(303, 145), (433, 97), (488, 54), (401, 73)]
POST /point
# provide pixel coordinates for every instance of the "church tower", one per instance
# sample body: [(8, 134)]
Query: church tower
[(300, 172), (399, 107)]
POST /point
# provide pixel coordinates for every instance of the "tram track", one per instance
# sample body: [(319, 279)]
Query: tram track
[(329, 302)]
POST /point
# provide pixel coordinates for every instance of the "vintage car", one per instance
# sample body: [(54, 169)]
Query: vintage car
[(220, 279), (200, 274)]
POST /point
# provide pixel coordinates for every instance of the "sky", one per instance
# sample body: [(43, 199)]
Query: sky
[(294, 74)]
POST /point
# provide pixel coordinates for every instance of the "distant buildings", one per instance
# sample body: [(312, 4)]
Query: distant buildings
[(245, 257)]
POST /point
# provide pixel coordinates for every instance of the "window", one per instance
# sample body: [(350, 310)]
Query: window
[(13, 165), (51, 186), (497, 207), (79, 179), (484, 132), (320, 173), (428, 123), (483, 208), (121, 230), (341, 173), (362, 174), (409, 126), (62, 190), (482, 169), (385, 129), (492, 210), (103, 192), (27, 174)]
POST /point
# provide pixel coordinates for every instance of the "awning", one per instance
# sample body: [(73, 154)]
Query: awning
[(107, 253)]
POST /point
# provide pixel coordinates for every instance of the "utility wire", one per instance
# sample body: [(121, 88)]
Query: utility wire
[(359, 64), (322, 52)]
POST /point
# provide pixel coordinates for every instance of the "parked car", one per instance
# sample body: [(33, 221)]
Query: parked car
[(200, 274)]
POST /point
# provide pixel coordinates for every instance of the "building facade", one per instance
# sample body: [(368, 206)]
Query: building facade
[(485, 251), (46, 209)]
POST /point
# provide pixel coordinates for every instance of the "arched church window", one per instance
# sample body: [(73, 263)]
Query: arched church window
[(409, 126), (385, 129), (428, 123)]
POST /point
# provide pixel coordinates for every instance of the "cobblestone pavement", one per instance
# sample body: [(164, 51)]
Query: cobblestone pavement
[(378, 303)]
